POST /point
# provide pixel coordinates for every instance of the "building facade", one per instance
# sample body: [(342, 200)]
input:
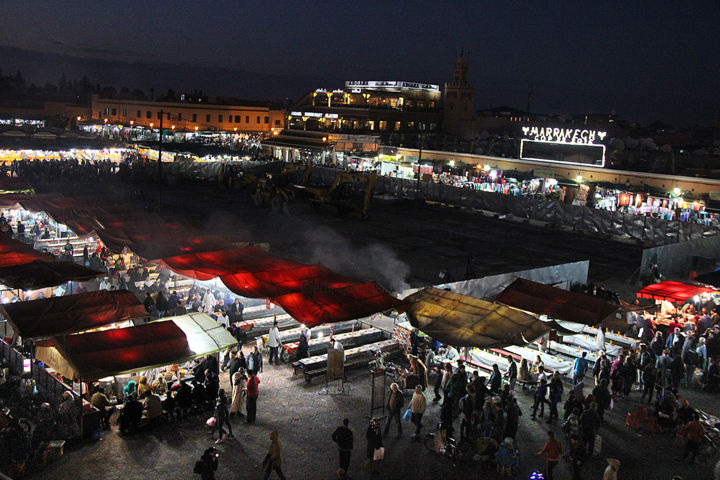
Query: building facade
[(370, 107), (196, 114), (458, 106)]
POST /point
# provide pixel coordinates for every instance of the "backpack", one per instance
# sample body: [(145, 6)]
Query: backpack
[(199, 467)]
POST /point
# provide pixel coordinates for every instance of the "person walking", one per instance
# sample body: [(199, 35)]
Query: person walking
[(580, 367), (207, 465), (602, 397), (273, 460), (222, 416), (556, 392), (552, 451), (394, 406), (274, 343), (649, 377), (374, 442), (589, 422), (343, 437), (252, 392), (418, 403), (539, 397)]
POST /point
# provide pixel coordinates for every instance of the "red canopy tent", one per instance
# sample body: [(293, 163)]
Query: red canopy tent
[(274, 283), (219, 263), (53, 316), (555, 302), (14, 253), (672, 291), (96, 354), (35, 275), (23, 267), (337, 305)]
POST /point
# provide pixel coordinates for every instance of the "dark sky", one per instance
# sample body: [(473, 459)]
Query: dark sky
[(645, 60)]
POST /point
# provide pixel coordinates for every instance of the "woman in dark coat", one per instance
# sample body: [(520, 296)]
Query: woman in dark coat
[(602, 397), (374, 441), (302, 350)]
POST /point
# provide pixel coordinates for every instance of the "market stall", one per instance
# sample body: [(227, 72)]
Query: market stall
[(68, 314), (94, 355), (464, 321)]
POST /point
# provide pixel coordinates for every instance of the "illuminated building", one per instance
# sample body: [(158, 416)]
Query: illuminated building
[(196, 113), (369, 107)]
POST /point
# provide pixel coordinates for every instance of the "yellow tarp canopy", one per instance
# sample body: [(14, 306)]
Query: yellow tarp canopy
[(464, 321)]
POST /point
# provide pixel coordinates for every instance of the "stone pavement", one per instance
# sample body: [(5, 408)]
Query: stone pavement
[(305, 419)]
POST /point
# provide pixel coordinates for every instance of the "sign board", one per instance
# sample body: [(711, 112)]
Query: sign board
[(391, 85), (575, 146), (335, 363)]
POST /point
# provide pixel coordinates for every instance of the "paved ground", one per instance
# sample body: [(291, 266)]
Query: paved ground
[(305, 420)]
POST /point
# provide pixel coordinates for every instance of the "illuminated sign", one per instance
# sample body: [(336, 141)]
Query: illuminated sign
[(564, 135), (313, 114), (392, 85), (574, 146)]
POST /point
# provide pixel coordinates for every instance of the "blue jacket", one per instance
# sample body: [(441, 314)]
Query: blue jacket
[(580, 366)]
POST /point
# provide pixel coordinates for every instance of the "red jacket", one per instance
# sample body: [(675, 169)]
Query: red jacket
[(252, 386), (552, 450)]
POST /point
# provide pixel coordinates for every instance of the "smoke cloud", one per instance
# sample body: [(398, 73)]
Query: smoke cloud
[(369, 262)]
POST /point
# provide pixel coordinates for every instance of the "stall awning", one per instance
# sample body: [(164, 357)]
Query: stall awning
[(125, 350), (208, 265), (165, 239), (35, 275), (555, 302), (49, 317), (13, 253), (672, 291), (465, 321), (274, 283), (337, 305)]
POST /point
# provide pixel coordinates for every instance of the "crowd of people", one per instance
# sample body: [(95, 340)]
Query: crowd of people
[(488, 415)]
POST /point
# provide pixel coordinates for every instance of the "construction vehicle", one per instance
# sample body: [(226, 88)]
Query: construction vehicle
[(275, 189), (343, 193)]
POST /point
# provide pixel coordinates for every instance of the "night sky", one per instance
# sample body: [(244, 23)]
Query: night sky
[(645, 60)]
